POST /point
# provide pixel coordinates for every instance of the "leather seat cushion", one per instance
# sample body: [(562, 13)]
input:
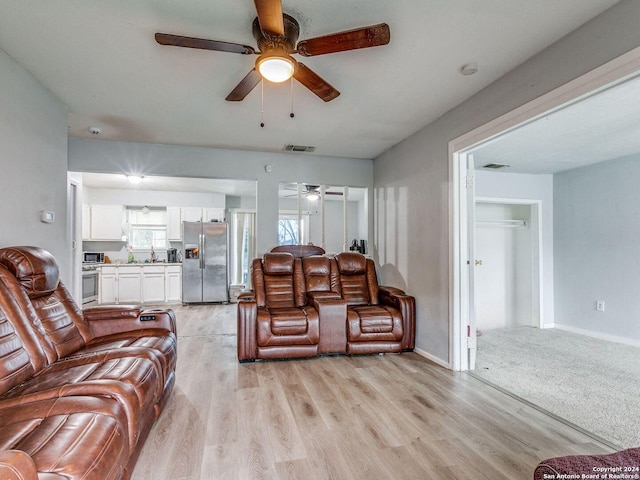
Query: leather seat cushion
[(288, 321), (163, 347), (374, 319), (69, 438)]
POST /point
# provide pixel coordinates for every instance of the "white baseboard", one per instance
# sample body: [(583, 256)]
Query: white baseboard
[(591, 333), (433, 358)]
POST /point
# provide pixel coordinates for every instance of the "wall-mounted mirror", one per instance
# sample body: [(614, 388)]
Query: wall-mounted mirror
[(329, 216)]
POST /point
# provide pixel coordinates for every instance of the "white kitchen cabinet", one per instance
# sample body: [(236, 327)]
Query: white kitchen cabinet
[(129, 284), (191, 214), (86, 222), (212, 213), (153, 284), (140, 283), (173, 284), (108, 286), (106, 222), (174, 224)]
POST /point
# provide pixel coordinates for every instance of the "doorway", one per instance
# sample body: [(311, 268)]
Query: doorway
[(507, 260), (461, 153)]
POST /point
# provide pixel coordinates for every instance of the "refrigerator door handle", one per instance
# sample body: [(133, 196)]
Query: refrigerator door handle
[(201, 247)]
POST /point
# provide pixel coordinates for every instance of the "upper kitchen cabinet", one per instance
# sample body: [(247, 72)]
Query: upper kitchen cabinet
[(105, 222), (177, 215), (191, 214), (174, 224)]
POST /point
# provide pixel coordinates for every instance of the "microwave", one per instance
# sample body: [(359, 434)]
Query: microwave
[(92, 257)]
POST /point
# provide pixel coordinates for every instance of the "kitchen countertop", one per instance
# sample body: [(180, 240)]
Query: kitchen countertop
[(141, 264)]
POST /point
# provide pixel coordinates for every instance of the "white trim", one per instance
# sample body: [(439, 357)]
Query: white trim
[(432, 358), (617, 70), (599, 335)]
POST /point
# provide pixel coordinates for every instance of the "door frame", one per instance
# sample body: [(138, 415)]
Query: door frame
[(616, 71)]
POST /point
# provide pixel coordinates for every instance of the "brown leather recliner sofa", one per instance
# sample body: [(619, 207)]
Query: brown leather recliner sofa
[(314, 305), (79, 391)]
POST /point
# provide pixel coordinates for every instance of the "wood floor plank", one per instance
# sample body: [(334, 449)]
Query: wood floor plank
[(336, 417)]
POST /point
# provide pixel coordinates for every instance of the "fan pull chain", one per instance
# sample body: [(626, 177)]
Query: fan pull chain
[(262, 102), (292, 114)]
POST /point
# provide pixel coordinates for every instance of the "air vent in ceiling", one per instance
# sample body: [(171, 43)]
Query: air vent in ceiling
[(495, 166), (299, 148)]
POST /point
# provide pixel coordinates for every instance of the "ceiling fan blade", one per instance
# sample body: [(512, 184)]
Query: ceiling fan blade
[(372, 36), (270, 16), (201, 43), (245, 86), (315, 83)]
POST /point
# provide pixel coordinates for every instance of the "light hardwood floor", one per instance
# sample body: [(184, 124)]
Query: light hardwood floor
[(368, 417)]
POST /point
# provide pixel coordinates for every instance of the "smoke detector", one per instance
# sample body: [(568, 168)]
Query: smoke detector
[(95, 130)]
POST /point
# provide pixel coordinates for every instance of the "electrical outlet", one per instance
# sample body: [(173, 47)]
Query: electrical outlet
[(600, 305)]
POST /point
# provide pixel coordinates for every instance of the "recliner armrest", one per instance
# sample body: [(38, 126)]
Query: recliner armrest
[(121, 318), (111, 312), (395, 297), (17, 465), (247, 327), (247, 296)]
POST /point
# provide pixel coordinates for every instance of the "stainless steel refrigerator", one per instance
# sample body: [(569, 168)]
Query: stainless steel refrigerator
[(204, 262)]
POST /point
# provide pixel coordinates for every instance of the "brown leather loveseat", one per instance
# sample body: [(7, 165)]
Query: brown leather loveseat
[(79, 391), (304, 307)]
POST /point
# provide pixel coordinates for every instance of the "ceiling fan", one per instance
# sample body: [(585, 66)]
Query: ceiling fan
[(276, 34), (310, 191)]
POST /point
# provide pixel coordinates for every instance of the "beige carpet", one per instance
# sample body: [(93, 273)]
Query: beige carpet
[(592, 383)]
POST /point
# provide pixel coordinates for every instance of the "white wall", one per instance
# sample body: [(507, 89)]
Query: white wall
[(412, 183), (110, 196), (33, 160), (597, 238), (528, 187), (170, 160)]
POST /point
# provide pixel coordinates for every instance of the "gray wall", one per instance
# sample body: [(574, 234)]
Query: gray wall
[(33, 160), (411, 180), (597, 232), (168, 160)]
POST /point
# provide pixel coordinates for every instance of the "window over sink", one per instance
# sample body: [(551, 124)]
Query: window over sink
[(147, 228)]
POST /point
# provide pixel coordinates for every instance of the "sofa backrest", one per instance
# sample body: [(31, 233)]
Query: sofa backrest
[(358, 281), (278, 281), (320, 274), (24, 319), (16, 365), (37, 271)]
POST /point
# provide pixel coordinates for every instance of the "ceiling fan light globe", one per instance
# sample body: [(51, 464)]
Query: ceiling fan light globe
[(277, 68)]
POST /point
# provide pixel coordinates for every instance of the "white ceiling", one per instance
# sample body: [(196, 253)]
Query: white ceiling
[(101, 60), (602, 127)]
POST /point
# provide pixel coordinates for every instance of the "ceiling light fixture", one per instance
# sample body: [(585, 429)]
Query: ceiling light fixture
[(134, 179), (276, 67), (313, 196), (469, 68)]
